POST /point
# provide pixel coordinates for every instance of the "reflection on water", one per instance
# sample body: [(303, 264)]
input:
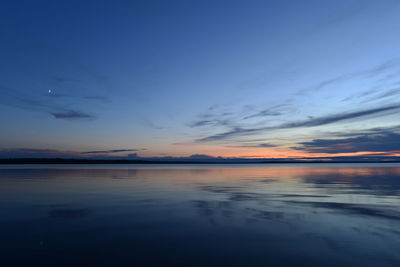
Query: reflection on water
[(183, 215)]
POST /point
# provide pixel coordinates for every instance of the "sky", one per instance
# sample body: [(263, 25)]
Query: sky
[(246, 79)]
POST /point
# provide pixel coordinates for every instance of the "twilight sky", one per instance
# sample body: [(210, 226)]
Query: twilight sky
[(230, 78)]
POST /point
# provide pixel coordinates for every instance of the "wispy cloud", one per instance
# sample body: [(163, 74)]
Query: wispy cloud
[(111, 151), (77, 85), (376, 93), (362, 94), (262, 145), (387, 94), (340, 117), (215, 116), (313, 122), (239, 123), (383, 68), (385, 142), (211, 122), (272, 111), (72, 115), (18, 99)]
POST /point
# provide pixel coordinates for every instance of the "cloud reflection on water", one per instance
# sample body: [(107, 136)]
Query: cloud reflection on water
[(308, 215)]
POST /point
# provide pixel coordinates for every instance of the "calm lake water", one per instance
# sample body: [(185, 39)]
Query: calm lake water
[(200, 215)]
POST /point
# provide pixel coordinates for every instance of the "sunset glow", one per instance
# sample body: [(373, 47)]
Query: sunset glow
[(269, 79)]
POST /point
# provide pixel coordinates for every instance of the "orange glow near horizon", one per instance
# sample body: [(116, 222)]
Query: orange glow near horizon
[(186, 150)]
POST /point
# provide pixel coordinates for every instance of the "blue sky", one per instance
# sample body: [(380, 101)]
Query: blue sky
[(222, 78)]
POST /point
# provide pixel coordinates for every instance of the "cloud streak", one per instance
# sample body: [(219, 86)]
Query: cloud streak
[(340, 117), (15, 98), (270, 112), (111, 151), (313, 122), (385, 142), (72, 115), (262, 145), (369, 73)]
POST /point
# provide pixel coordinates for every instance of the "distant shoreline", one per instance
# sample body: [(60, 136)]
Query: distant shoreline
[(96, 161)]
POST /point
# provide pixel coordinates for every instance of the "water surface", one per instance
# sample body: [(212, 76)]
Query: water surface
[(200, 215)]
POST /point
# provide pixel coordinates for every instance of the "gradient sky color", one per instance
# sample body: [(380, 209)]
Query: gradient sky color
[(221, 78)]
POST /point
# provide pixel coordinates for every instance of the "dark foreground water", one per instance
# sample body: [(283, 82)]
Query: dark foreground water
[(200, 215)]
